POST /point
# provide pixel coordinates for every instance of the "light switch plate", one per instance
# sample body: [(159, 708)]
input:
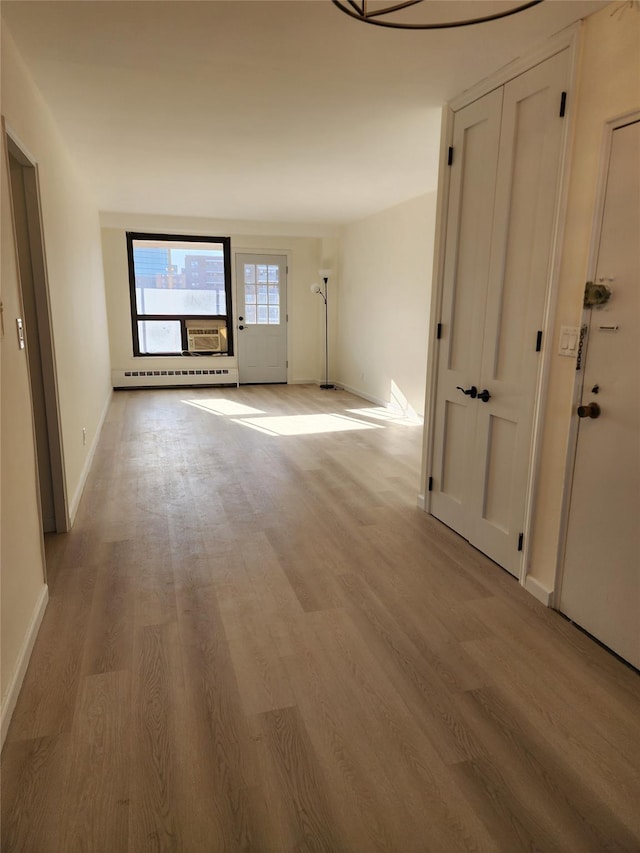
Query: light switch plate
[(569, 339)]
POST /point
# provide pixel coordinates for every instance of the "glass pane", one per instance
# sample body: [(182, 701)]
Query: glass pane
[(179, 278), (273, 275), (262, 273), (249, 273), (159, 336), (249, 293), (250, 313), (274, 294), (274, 315), (262, 294), (181, 301), (262, 314)]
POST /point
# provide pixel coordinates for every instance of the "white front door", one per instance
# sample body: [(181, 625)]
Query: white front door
[(601, 577), (504, 189), (262, 318)]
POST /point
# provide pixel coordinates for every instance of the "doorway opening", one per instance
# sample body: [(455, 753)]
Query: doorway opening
[(25, 204)]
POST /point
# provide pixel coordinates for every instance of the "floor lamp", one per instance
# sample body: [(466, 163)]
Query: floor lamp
[(315, 288)]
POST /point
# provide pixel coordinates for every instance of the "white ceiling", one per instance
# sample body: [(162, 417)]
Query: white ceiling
[(253, 109)]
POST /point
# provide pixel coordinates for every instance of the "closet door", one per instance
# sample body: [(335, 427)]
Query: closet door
[(521, 256), (508, 306), (466, 271)]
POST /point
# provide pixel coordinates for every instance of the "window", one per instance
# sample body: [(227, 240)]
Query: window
[(179, 285), (262, 294)]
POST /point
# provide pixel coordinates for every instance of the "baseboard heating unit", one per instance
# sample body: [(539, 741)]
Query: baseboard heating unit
[(174, 378)]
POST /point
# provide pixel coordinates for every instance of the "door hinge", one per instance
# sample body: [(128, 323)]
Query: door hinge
[(520, 541), (450, 156), (430, 487), (563, 104), (438, 331), (539, 341), (286, 318), (287, 364)]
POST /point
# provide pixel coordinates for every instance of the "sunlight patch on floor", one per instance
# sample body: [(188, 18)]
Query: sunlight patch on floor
[(221, 406), (306, 424), (382, 414)]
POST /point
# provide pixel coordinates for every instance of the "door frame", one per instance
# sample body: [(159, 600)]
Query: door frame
[(578, 382), (279, 253), (20, 153), (566, 40)]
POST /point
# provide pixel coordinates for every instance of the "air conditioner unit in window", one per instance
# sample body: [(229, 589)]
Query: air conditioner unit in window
[(206, 336)]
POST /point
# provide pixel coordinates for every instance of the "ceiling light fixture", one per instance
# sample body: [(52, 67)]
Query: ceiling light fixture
[(361, 12)]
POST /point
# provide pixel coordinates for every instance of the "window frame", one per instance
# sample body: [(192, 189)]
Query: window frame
[(225, 242)]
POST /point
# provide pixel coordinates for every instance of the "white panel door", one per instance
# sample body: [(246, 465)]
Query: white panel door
[(467, 255), (601, 577), (503, 198), (262, 318), (521, 256)]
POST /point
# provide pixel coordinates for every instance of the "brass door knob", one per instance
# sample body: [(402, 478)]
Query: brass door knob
[(591, 410)]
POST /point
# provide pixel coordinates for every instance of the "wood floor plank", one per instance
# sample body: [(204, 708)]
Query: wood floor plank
[(561, 672), (369, 812), (443, 818), (53, 676), (96, 805), (315, 590), (411, 674), (612, 778), (503, 813), (155, 821), (225, 788), (555, 792), (109, 643), (261, 679), (280, 605), (300, 790), (34, 793), (256, 642)]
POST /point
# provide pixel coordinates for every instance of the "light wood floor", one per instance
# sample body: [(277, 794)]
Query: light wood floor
[(256, 642)]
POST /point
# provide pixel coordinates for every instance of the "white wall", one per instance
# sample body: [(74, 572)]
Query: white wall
[(304, 246), (383, 301), (76, 290), (22, 564), (608, 86)]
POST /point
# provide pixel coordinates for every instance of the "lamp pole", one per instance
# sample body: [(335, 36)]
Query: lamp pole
[(326, 385), (315, 288)]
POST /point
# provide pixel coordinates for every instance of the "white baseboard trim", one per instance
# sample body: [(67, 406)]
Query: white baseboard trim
[(369, 397), (421, 502), (538, 590), (13, 691), (75, 501), (406, 412)]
